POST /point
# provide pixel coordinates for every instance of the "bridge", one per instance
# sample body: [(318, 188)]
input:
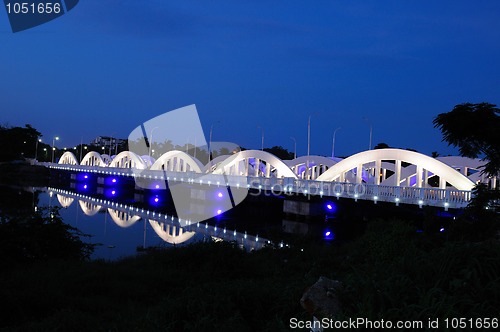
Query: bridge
[(383, 175)]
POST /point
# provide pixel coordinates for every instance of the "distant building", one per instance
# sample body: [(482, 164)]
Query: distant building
[(108, 141)]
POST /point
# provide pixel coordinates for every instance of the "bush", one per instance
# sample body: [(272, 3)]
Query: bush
[(41, 236)]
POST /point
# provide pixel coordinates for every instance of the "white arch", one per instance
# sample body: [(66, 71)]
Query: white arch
[(148, 160), (106, 159), (123, 219), (461, 162), (214, 163), (422, 162), (128, 159), (68, 158), (93, 159), (464, 165), (317, 166), (239, 164), (177, 161), (170, 233)]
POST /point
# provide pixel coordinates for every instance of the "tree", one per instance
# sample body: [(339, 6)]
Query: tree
[(280, 152), (41, 236), (381, 146), (17, 143), (474, 129)]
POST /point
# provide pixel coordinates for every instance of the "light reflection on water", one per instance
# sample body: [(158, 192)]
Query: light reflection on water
[(122, 228)]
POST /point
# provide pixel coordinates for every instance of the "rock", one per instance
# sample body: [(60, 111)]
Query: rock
[(322, 298)]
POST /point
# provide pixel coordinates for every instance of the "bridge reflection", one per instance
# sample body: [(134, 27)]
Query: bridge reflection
[(169, 228)]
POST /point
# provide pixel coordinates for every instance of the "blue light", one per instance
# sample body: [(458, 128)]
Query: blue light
[(82, 176), (219, 195), (330, 207), (156, 199), (113, 180), (219, 211), (441, 230), (157, 186), (329, 235), (85, 186), (113, 192)]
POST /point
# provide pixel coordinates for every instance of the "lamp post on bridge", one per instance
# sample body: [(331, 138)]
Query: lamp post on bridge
[(81, 149), (333, 141), (111, 139), (262, 143), (210, 142), (53, 147), (371, 131), (294, 147), (39, 140), (151, 140), (308, 143)]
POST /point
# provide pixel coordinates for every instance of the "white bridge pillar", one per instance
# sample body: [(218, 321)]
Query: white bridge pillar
[(359, 173), (378, 164), (397, 175), (419, 177)]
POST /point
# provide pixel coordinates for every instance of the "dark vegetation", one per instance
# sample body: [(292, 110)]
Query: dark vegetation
[(391, 272), (17, 143), (40, 237)]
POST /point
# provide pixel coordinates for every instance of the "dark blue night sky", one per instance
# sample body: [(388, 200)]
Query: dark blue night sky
[(107, 66)]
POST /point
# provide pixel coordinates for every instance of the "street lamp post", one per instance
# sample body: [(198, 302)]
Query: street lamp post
[(210, 142), (195, 147), (81, 149), (308, 145), (371, 132), (151, 140), (36, 148), (45, 149), (262, 140), (333, 141), (294, 147), (111, 140), (53, 147)]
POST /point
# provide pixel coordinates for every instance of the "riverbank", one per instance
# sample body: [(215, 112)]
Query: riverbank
[(24, 174), (392, 272)]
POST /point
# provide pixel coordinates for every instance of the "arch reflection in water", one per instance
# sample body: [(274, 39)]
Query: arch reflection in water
[(65, 201), (170, 229), (172, 234), (88, 208), (122, 218)]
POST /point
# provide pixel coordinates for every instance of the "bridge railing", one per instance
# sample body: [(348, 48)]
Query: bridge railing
[(407, 195)]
